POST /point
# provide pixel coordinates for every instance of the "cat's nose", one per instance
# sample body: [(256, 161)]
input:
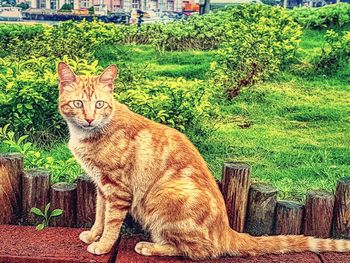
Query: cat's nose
[(89, 120)]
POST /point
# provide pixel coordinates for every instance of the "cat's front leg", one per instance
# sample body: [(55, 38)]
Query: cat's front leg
[(96, 230), (117, 205)]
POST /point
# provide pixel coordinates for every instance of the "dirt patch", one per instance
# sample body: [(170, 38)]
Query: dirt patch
[(126, 254), (24, 244)]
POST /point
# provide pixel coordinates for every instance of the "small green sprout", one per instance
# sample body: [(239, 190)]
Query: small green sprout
[(46, 215)]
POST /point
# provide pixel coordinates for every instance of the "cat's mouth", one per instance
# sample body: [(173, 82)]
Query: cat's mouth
[(88, 127)]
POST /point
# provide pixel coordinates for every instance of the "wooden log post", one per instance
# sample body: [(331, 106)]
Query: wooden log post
[(36, 193), (64, 196), (86, 201), (289, 218), (11, 170), (341, 220), (318, 214), (235, 189), (261, 209)]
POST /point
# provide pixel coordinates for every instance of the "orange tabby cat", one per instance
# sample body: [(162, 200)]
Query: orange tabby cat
[(156, 174)]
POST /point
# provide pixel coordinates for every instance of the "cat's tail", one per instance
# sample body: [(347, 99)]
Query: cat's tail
[(244, 244)]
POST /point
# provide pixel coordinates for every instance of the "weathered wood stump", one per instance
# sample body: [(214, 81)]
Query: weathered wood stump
[(64, 196), (36, 193), (86, 201), (11, 170), (341, 221), (235, 189), (318, 214), (261, 209), (289, 218)]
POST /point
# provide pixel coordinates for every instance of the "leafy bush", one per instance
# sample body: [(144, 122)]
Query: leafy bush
[(20, 40), (327, 16), (62, 168), (198, 32), (70, 38), (266, 40), (178, 103), (335, 53), (211, 30), (29, 95)]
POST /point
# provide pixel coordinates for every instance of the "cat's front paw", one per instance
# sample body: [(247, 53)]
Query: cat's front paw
[(143, 248), (99, 248), (88, 237)]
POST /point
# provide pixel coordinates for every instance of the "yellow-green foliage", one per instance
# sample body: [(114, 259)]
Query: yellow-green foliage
[(29, 95), (255, 47), (178, 103), (327, 16)]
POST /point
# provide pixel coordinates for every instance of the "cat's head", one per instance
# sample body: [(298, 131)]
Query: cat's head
[(86, 102)]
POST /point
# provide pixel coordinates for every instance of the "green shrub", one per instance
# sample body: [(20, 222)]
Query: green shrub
[(70, 38), (327, 16), (29, 95), (335, 53), (181, 104), (62, 167), (20, 40), (198, 32), (211, 30), (266, 40)]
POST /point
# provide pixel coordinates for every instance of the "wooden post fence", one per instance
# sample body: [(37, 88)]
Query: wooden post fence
[(251, 208)]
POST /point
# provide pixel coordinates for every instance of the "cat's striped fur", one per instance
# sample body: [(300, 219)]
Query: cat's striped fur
[(156, 174)]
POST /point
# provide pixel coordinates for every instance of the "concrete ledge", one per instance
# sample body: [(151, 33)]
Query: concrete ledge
[(24, 244)]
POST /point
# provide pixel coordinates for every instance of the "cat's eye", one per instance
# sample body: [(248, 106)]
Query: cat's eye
[(77, 103), (99, 104)]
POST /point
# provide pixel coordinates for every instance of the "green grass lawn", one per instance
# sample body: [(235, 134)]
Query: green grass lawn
[(296, 130)]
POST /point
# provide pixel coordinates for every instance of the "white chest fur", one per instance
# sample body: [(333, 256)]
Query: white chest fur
[(80, 151)]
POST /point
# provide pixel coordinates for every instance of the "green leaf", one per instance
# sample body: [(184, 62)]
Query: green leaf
[(36, 211), (56, 212), (40, 227), (47, 207), (22, 138), (28, 106)]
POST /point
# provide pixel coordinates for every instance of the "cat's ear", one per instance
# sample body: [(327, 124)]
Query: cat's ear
[(66, 75), (108, 76)]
